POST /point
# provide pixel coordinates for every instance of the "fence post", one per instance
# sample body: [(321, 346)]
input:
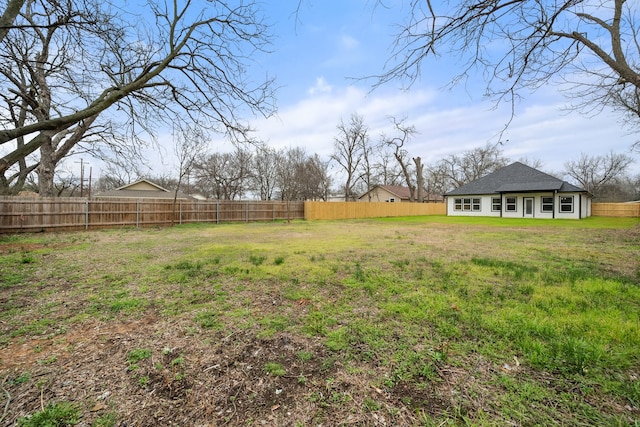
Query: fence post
[(246, 211), (137, 214), (180, 218), (86, 214), (218, 212)]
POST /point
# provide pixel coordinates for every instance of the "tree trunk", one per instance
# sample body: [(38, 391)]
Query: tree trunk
[(46, 169), (419, 179), (9, 15), (407, 178)]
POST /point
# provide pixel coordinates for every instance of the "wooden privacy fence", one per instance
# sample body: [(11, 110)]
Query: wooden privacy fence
[(47, 214), (616, 209), (353, 210)]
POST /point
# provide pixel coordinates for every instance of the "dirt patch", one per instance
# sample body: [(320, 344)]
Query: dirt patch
[(220, 378), (9, 248)]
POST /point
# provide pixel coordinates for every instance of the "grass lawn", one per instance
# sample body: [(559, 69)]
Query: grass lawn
[(425, 321)]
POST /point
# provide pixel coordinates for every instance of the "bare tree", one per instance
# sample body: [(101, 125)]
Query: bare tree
[(290, 168), (117, 172), (456, 170), (66, 183), (314, 179), (521, 44), (264, 171), (190, 144), (386, 170), (349, 148), (438, 179), (224, 176), (595, 172), (67, 62), (403, 134), (481, 161), (367, 168)]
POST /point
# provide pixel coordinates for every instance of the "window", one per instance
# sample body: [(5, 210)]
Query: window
[(511, 205), (547, 204), (566, 204), (467, 204), (392, 200), (496, 204)]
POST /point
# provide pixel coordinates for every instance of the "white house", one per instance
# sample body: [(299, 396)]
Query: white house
[(519, 191)]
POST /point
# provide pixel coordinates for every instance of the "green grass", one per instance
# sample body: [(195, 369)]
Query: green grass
[(53, 415), (589, 223), (524, 322), (275, 369)]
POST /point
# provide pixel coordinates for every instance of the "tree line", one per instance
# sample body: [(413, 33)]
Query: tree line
[(358, 163), (101, 77), (386, 161)]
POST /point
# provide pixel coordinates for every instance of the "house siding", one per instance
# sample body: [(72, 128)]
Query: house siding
[(581, 205), (380, 195)]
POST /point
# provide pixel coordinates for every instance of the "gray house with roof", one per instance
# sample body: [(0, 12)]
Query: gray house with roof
[(519, 191)]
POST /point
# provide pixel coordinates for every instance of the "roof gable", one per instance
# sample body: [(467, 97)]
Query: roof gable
[(143, 189), (514, 178), (142, 185)]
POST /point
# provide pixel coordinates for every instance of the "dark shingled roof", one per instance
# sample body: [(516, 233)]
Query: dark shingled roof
[(515, 178)]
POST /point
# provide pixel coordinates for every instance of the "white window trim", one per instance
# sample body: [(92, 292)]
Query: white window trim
[(561, 204)]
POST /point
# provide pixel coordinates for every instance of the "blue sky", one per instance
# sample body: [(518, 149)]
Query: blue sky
[(315, 59), (319, 57)]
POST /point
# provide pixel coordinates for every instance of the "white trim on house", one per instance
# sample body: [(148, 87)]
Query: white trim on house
[(512, 205), (519, 191)]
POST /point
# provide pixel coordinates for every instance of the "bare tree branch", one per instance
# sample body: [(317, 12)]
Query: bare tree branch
[(189, 61), (522, 44)]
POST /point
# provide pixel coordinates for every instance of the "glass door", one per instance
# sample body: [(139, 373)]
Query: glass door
[(528, 207)]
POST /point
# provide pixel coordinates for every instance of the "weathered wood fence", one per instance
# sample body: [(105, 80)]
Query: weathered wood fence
[(49, 214), (628, 210)]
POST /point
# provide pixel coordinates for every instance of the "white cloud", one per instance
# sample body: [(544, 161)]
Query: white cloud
[(540, 131), (321, 86)]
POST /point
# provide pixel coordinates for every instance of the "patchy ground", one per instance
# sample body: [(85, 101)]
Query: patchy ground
[(191, 381), (116, 323)]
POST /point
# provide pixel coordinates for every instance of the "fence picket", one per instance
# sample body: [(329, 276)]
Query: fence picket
[(65, 213), (42, 214)]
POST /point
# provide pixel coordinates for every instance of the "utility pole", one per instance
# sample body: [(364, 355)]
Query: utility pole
[(81, 177), (89, 188)]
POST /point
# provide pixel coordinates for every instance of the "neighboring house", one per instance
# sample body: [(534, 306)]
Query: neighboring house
[(519, 191), (142, 189), (393, 193)]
